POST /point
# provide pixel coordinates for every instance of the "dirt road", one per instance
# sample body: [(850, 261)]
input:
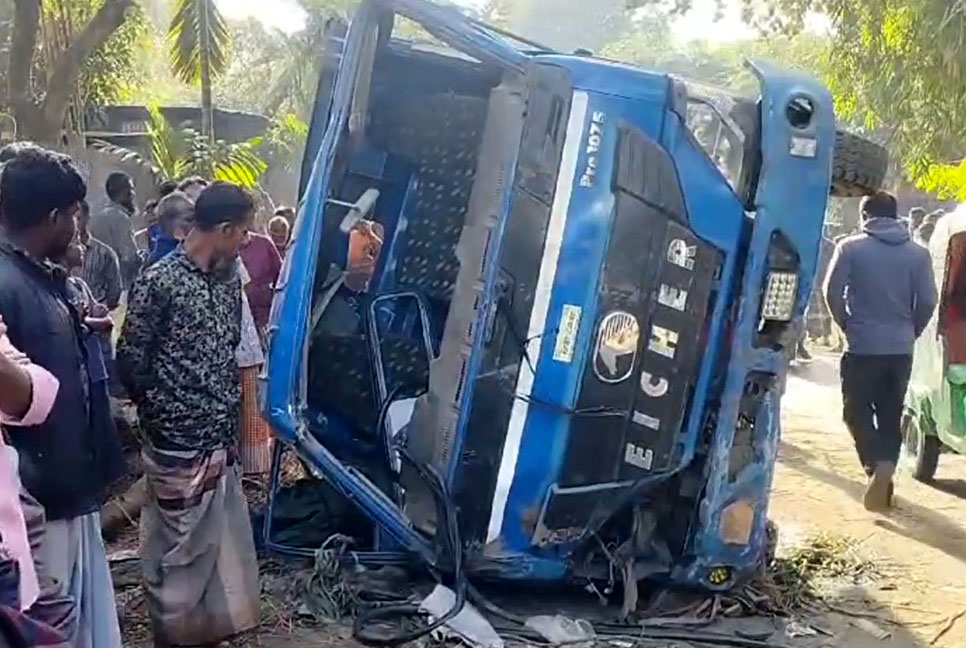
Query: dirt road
[(921, 545)]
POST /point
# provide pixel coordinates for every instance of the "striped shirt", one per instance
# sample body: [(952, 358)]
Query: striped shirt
[(102, 272)]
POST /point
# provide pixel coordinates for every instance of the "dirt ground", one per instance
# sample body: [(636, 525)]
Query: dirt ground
[(921, 545)]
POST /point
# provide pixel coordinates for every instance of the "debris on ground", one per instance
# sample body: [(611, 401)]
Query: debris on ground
[(871, 628), (805, 578), (947, 626), (560, 630), (300, 596), (327, 594), (469, 626)]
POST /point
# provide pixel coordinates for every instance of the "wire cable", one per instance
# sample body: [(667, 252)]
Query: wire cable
[(451, 548), (523, 344)]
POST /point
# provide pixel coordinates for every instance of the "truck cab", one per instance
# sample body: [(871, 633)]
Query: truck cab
[(541, 305)]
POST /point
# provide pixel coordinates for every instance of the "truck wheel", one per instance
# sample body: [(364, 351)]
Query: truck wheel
[(860, 166), (921, 448)]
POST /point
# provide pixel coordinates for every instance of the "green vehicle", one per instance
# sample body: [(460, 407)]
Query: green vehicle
[(935, 417)]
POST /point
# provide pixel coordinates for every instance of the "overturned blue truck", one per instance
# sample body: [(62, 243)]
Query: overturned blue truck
[(540, 306)]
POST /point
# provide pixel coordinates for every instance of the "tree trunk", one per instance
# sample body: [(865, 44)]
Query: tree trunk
[(207, 107), (26, 22), (42, 121)]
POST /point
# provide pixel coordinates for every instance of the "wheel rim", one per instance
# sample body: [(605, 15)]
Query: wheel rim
[(911, 436)]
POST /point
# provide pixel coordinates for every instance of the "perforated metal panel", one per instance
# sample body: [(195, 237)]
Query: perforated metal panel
[(441, 135), (341, 375), (432, 433)]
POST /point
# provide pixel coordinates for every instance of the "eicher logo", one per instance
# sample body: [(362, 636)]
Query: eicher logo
[(617, 344), (662, 345), (595, 138)]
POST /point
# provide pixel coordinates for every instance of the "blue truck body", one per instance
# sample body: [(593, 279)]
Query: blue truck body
[(612, 400)]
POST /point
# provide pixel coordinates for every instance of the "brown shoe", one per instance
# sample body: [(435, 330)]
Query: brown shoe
[(878, 495)]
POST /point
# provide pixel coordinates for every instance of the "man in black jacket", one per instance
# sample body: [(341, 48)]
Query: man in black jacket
[(60, 460)]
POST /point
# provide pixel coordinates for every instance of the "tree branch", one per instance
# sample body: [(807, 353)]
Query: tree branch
[(66, 69)]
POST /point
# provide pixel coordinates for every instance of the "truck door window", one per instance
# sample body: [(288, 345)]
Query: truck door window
[(723, 144)]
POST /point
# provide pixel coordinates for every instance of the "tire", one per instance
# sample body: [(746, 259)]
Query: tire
[(860, 166), (921, 450)]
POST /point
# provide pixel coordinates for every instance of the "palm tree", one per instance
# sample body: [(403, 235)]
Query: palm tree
[(199, 40)]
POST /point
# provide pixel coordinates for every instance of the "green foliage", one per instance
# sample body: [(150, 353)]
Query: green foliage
[(896, 68), (276, 73), (161, 86), (947, 181), (892, 73), (280, 71), (180, 153), (650, 45), (198, 26), (166, 145), (238, 163), (286, 140), (110, 72)]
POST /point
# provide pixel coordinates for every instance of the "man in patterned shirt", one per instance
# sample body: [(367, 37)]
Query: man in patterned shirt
[(177, 359)]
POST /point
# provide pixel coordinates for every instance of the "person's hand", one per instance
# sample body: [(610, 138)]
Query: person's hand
[(99, 310), (99, 324)]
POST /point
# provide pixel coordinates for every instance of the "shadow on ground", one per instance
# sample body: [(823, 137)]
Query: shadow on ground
[(908, 519), (954, 487)]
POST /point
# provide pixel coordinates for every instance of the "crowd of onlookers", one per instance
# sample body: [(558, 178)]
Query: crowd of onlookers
[(166, 306)]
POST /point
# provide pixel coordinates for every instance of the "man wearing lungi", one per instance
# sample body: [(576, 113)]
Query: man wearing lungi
[(177, 357), (60, 458)]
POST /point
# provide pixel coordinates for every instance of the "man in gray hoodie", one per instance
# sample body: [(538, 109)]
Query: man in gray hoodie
[(881, 291)]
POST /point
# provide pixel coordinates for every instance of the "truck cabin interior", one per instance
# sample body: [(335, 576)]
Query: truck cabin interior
[(415, 135)]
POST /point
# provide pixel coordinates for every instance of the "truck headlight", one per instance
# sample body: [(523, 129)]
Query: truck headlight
[(781, 291)]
